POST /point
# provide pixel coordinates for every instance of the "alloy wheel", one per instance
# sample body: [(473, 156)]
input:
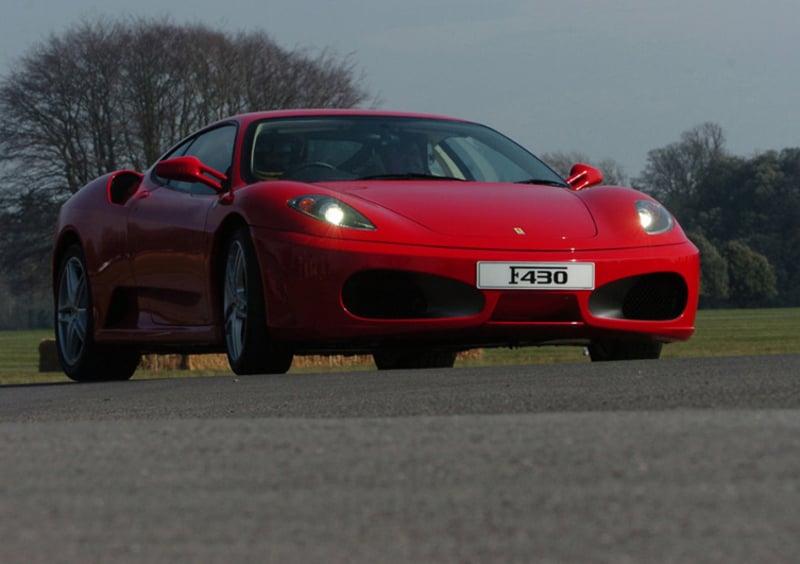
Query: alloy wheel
[(235, 300), (72, 311)]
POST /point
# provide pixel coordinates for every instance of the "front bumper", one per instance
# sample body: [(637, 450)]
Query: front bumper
[(325, 294)]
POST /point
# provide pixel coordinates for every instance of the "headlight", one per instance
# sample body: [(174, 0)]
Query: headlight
[(654, 217), (331, 211)]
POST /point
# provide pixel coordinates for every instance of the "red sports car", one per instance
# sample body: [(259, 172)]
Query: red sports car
[(407, 236)]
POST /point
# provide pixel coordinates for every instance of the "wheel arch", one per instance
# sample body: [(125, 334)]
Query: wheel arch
[(64, 242), (227, 228)]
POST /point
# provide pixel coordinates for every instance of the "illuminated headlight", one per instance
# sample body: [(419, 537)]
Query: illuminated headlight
[(654, 217), (331, 211)]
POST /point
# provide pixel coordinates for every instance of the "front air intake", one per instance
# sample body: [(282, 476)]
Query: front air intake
[(398, 294), (651, 297)]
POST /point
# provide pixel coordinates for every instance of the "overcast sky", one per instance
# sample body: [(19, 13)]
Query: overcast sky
[(610, 78)]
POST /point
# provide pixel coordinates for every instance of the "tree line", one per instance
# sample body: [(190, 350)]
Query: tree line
[(111, 94)]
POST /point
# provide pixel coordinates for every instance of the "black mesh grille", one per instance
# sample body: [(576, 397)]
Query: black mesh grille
[(656, 297)]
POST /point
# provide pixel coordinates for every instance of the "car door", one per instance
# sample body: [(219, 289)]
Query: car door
[(168, 241)]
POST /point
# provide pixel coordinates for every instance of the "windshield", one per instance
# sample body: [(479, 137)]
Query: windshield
[(330, 148)]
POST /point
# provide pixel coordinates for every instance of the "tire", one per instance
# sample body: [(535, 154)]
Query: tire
[(247, 342), (621, 349), (392, 359), (81, 358)]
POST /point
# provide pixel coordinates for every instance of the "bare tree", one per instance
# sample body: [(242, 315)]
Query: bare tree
[(107, 93), (674, 172), (158, 106)]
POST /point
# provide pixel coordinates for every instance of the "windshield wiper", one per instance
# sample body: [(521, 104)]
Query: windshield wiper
[(408, 176), (543, 181)]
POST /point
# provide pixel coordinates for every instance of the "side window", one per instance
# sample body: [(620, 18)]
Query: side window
[(215, 149), (179, 150)]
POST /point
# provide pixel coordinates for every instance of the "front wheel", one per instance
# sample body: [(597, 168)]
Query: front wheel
[(392, 359), (249, 348), (81, 358), (623, 349)]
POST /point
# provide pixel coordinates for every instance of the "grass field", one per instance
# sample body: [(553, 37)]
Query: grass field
[(719, 333)]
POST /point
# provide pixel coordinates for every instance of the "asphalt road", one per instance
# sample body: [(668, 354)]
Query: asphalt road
[(652, 461)]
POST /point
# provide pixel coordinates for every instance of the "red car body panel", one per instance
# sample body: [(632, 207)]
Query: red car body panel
[(153, 256)]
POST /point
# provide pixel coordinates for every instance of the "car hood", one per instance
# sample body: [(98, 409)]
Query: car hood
[(485, 210)]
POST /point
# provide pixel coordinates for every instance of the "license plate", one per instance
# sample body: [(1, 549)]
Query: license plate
[(536, 275)]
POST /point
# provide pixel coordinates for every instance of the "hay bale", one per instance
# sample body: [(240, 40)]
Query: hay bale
[(48, 356), (164, 362), (208, 362), (331, 361), (471, 354)]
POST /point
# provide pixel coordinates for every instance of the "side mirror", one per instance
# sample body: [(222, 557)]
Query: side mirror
[(190, 169), (583, 176)]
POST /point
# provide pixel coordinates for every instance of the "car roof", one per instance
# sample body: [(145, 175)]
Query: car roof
[(247, 118)]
